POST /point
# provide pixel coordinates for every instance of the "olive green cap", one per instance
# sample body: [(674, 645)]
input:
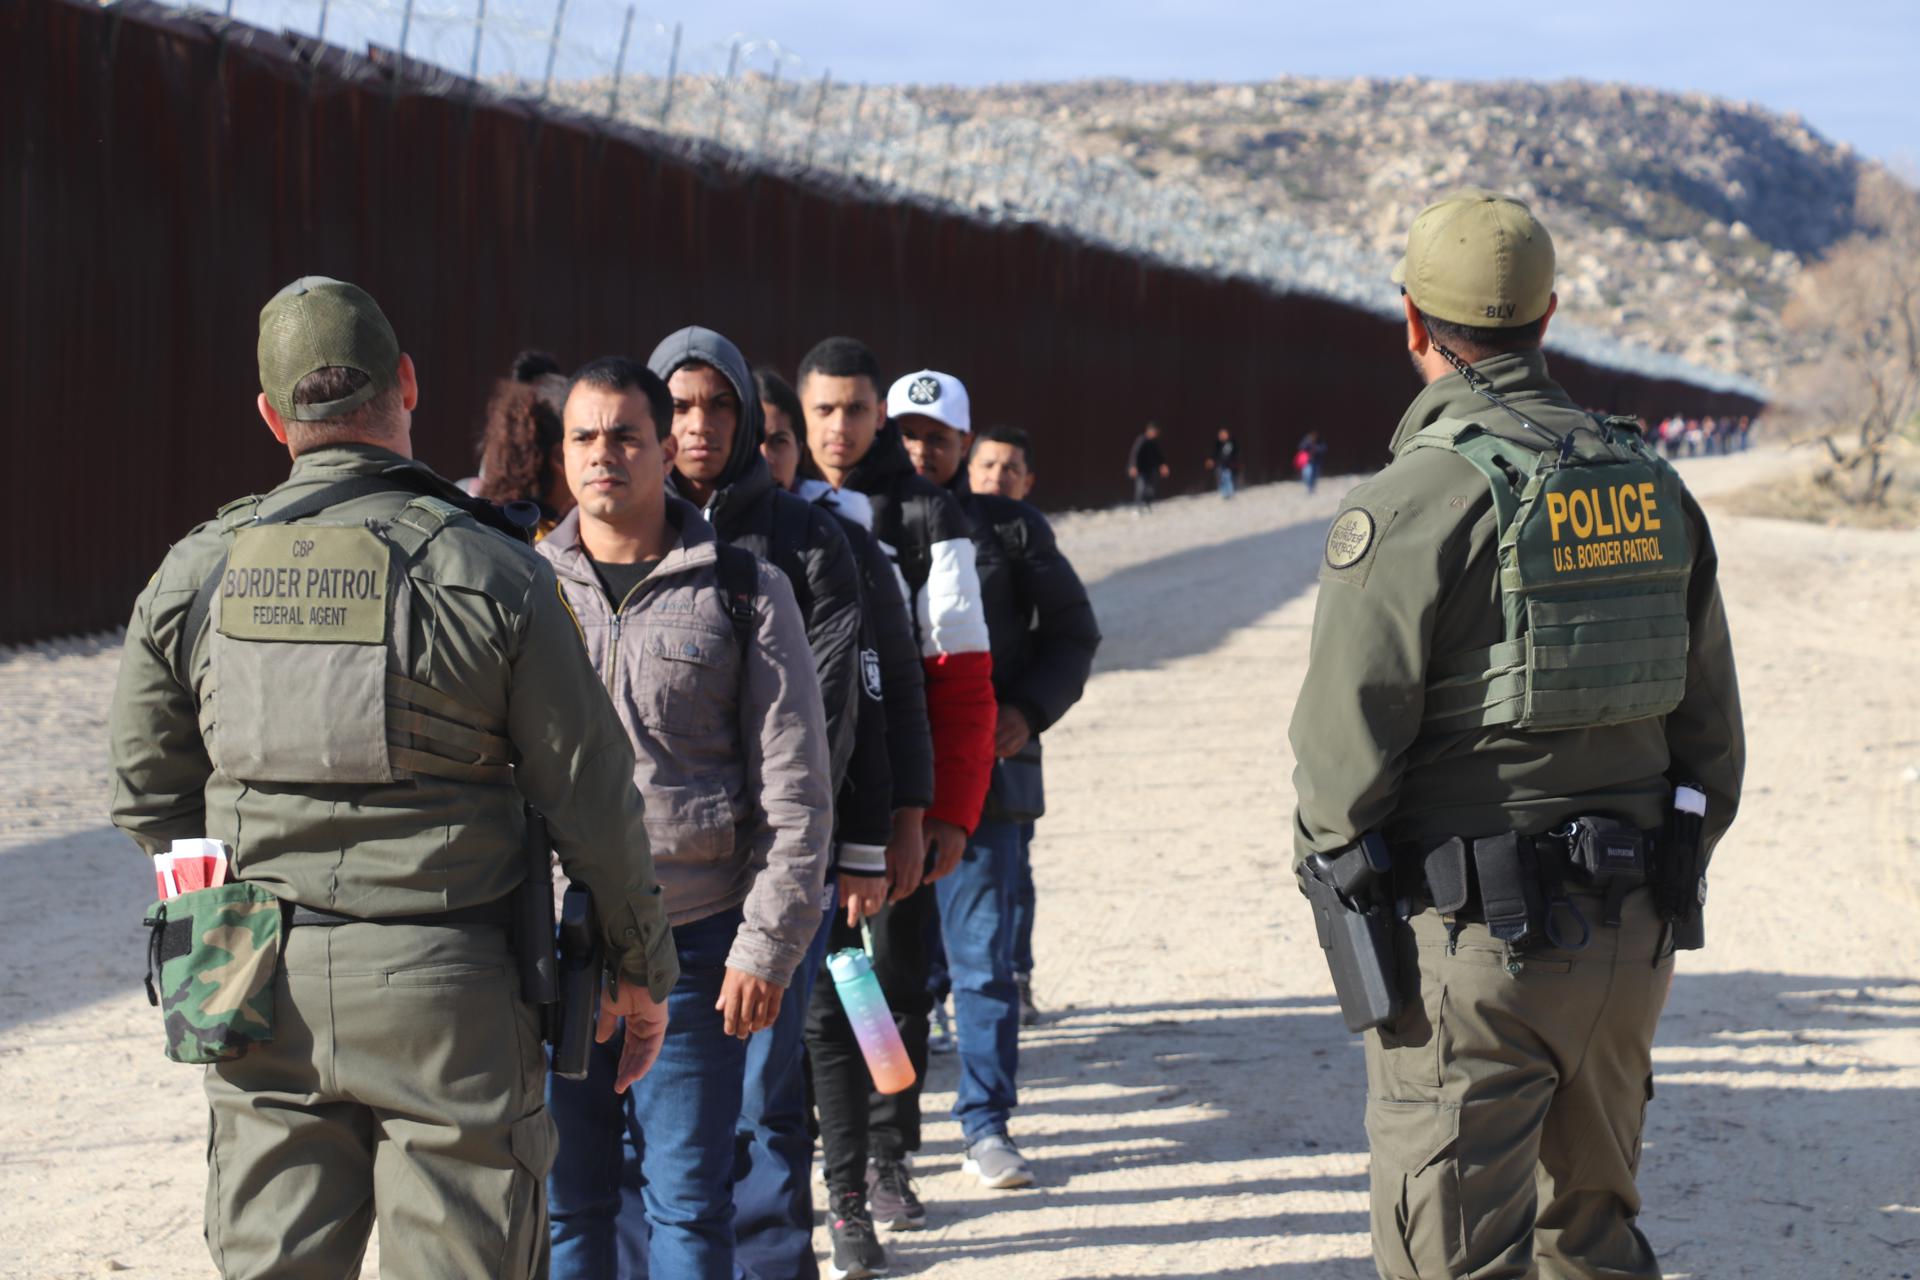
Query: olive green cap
[(1478, 258), (319, 323)]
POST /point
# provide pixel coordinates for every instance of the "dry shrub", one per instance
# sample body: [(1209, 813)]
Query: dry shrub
[(1815, 494)]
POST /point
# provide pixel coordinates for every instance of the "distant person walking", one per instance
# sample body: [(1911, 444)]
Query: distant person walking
[(1225, 463), (1306, 458), (1147, 467)]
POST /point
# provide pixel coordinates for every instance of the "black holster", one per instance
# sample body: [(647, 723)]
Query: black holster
[(1352, 913), (1680, 880), (582, 959), (533, 920)]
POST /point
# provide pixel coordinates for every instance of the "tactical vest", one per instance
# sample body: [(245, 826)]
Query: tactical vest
[(308, 627), (1594, 564)]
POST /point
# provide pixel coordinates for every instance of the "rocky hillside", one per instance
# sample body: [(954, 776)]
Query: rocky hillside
[(1681, 220)]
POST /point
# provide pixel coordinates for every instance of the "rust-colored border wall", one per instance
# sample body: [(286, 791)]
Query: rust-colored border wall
[(159, 182)]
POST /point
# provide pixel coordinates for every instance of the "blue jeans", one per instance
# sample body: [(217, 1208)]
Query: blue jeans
[(1310, 475), (773, 1196), (1225, 481), (939, 984), (680, 1120), (977, 923), (1023, 906)]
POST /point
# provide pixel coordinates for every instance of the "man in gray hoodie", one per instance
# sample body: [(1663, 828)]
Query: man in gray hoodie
[(717, 466), (705, 657)]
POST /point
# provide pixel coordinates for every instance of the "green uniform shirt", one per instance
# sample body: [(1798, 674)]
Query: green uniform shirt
[(1417, 580), (487, 627)]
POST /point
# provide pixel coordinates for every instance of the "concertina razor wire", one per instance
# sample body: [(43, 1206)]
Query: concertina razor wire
[(757, 103)]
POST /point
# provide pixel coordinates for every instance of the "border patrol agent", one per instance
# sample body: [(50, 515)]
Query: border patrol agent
[(1520, 667), (358, 706)]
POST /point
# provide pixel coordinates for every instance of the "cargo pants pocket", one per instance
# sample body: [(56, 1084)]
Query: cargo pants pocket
[(1418, 1229), (535, 1142), (1640, 1131)]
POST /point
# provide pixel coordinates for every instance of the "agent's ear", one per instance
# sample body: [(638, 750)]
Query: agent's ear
[(1417, 338), (272, 418), (409, 383), (1553, 305)]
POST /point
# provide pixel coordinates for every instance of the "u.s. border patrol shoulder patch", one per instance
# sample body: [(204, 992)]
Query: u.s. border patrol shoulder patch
[(1350, 538)]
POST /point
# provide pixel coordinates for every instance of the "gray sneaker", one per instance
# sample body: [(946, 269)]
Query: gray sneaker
[(998, 1163), (892, 1196)]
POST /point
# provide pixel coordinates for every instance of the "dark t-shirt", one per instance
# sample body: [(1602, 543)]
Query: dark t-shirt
[(1147, 458), (619, 580)]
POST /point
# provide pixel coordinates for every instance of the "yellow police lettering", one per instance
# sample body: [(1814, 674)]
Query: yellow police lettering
[(1556, 513), (1580, 510), (1628, 498), (1647, 505), (1600, 525)]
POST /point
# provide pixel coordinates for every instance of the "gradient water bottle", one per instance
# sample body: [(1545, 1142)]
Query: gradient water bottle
[(872, 1021)]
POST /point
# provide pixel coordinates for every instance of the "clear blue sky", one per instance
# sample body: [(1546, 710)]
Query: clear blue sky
[(1848, 66)]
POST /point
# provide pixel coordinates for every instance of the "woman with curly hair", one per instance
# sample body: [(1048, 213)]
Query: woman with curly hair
[(520, 450)]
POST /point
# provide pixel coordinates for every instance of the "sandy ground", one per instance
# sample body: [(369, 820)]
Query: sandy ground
[(1193, 1104)]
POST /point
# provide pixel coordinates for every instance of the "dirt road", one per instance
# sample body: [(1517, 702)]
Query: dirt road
[(1193, 1106)]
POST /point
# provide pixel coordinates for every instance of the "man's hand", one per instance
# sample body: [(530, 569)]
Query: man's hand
[(949, 845), (1011, 734), (747, 1004), (646, 1020), (906, 854), (863, 895), (1165, 471)]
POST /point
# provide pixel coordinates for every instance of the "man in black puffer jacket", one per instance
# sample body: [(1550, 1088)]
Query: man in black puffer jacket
[(717, 423), (923, 528), (1043, 639)]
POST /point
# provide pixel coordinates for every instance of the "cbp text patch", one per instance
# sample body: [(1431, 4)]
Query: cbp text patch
[(305, 583)]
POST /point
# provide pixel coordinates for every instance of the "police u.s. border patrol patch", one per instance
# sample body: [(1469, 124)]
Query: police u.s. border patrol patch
[(870, 674), (1350, 538), (924, 390)]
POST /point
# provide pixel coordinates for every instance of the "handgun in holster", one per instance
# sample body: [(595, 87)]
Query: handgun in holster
[(582, 960), (1351, 893), (533, 921)]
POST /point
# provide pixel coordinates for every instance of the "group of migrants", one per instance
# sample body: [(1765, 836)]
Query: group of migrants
[(773, 674), (908, 581), (1680, 437)]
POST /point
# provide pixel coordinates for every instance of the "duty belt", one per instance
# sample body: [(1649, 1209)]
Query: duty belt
[(1517, 883), (499, 911)]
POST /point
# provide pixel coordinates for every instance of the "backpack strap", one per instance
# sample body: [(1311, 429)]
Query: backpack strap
[(739, 582), (789, 537), (916, 551)]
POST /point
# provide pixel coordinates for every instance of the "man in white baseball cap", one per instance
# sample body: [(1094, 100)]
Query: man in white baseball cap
[(935, 419)]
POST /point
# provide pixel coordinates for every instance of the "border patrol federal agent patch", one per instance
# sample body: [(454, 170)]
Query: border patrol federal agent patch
[(1349, 538), (305, 583), (924, 390), (870, 673)]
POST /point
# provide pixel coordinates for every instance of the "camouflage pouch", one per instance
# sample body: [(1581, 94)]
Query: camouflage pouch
[(211, 959)]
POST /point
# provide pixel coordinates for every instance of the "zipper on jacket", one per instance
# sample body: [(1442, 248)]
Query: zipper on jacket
[(613, 642)]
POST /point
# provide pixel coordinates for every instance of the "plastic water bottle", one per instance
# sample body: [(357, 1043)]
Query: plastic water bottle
[(872, 1021)]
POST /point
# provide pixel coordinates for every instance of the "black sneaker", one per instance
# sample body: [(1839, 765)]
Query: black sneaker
[(857, 1251), (891, 1196), (1029, 1011)]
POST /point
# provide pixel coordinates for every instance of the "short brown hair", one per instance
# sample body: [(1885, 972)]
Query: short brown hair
[(374, 422)]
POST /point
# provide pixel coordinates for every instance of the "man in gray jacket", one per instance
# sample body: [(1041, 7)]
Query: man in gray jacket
[(705, 656)]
